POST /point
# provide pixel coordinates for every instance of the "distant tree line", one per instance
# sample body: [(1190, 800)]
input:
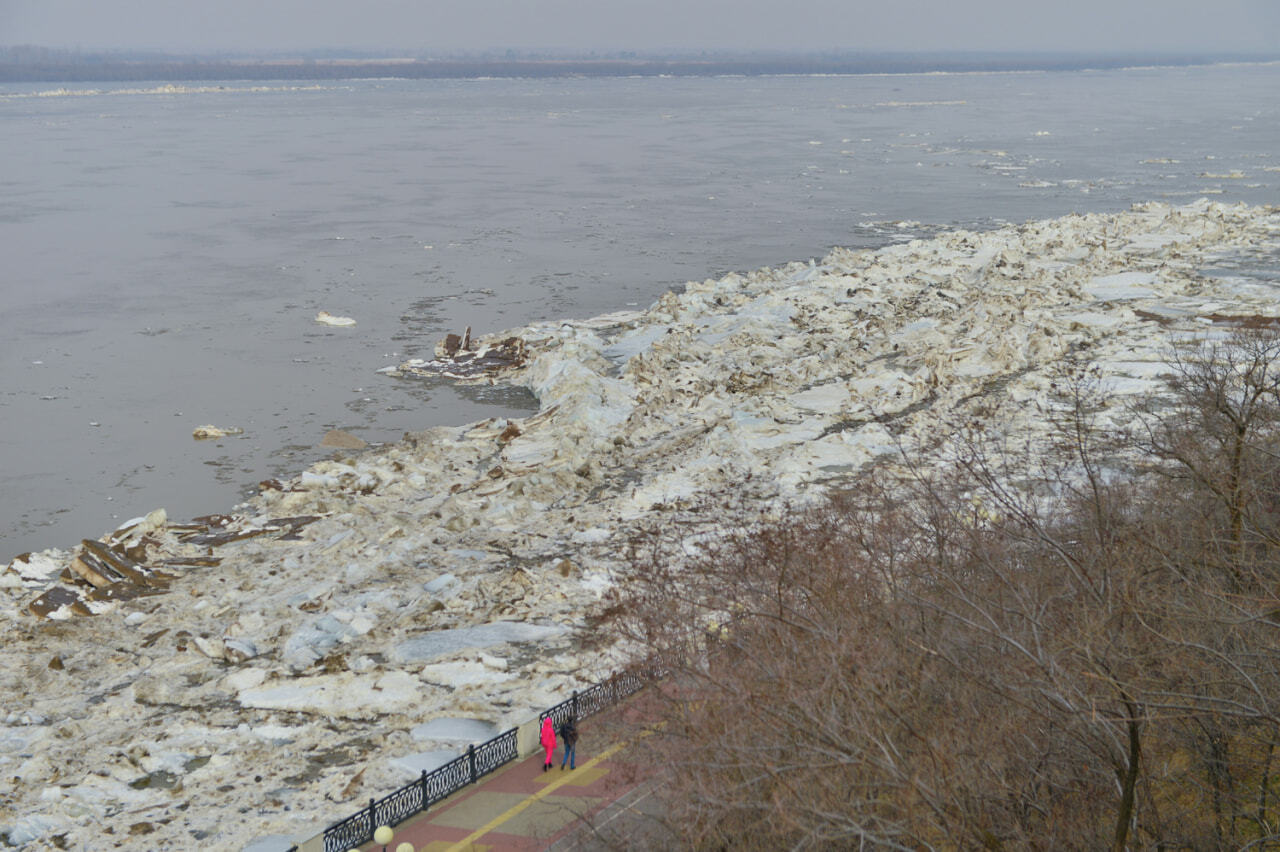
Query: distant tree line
[(34, 64), (1067, 646)]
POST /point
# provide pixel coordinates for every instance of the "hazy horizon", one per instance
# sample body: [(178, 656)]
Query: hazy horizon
[(668, 26), (499, 52)]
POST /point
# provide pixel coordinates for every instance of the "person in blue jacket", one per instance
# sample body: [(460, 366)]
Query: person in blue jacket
[(569, 735)]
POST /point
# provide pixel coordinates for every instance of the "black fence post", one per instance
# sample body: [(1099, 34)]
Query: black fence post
[(422, 781), (575, 704), (373, 816), (471, 758)]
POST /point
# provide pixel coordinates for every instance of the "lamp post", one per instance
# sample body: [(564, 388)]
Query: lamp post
[(382, 836)]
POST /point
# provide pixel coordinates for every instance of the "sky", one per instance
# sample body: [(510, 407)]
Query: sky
[(645, 25)]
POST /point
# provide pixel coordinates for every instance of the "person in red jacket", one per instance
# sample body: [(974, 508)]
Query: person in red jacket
[(548, 742)]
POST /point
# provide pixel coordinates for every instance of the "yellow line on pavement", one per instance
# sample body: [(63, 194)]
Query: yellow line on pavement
[(467, 842)]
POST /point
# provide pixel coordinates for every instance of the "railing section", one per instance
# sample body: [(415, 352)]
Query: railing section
[(629, 683), (445, 781), (595, 699), (559, 712), (399, 806), (353, 831), (497, 751)]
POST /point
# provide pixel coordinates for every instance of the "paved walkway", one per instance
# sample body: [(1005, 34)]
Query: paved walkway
[(520, 808)]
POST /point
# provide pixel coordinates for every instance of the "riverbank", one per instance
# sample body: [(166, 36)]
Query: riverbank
[(453, 575)]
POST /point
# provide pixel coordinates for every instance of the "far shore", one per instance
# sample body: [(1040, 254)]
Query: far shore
[(21, 65)]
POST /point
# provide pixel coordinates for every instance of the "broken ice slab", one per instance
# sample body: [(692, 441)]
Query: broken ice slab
[(58, 602), (35, 569), (209, 432), (191, 562), (457, 359), (452, 344), (204, 537), (455, 730), (138, 529), (438, 643), (220, 538), (326, 318), (102, 573), (123, 592), (101, 565), (205, 522)]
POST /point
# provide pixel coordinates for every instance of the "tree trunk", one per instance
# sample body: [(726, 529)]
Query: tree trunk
[(1129, 784)]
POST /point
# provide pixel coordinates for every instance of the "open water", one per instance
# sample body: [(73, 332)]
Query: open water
[(167, 247)]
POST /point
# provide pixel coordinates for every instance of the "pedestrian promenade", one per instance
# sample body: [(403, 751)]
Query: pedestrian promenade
[(521, 808)]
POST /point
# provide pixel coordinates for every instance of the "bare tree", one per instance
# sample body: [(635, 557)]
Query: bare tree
[(948, 660), (1219, 430)]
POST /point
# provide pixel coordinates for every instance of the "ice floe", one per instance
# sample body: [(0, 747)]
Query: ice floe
[(326, 318), (208, 432)]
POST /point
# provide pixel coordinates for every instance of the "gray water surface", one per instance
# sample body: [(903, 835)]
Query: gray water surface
[(166, 248)]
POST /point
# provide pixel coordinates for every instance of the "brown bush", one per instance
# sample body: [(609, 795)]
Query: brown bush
[(1087, 661)]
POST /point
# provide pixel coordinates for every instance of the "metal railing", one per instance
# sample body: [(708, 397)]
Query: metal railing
[(591, 701), (471, 766)]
